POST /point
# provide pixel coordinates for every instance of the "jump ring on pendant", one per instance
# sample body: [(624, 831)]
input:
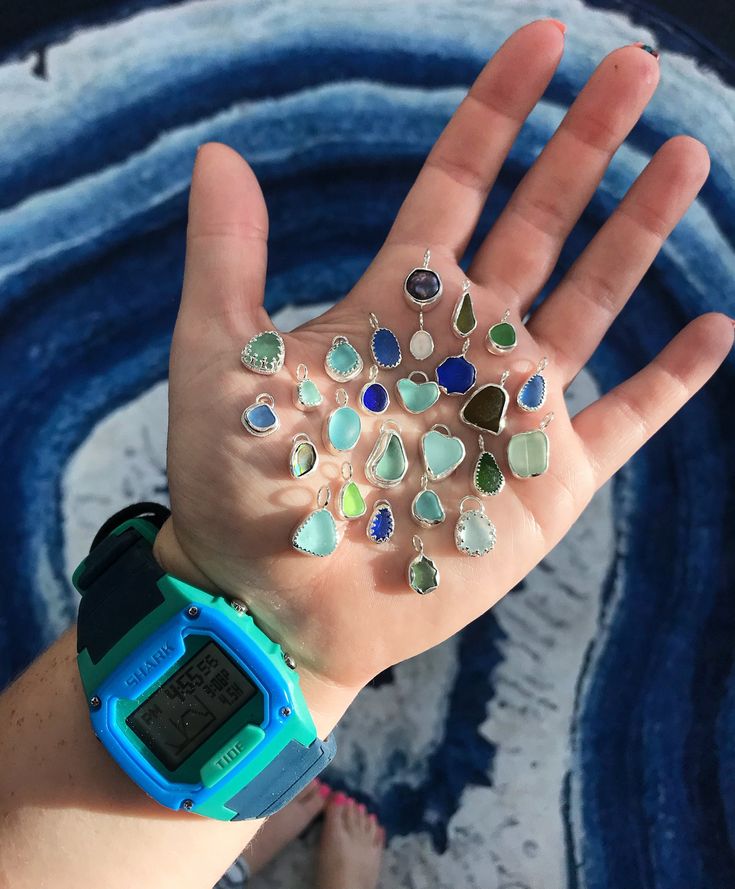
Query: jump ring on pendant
[(506, 374), (420, 373), (542, 365), (438, 427), (418, 544), (546, 420), (302, 373), (342, 397), (506, 315), (347, 472), (480, 506), (481, 442), (373, 374), (324, 495), (466, 346), (373, 318), (266, 398), (388, 423), (427, 257)]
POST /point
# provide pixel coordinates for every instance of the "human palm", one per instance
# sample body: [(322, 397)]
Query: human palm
[(350, 615)]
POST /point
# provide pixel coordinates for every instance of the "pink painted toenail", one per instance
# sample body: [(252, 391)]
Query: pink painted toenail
[(339, 799), (362, 807), (324, 791)]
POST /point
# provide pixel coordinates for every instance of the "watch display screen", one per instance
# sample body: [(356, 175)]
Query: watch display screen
[(191, 705)]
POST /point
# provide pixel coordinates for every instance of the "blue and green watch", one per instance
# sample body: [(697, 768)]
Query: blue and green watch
[(200, 708)]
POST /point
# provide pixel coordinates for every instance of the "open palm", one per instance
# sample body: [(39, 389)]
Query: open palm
[(348, 616)]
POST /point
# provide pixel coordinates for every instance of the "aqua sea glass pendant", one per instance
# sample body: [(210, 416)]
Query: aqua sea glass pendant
[(532, 394), (307, 396), (316, 535), (342, 427), (474, 533), (260, 418), (423, 574), (487, 478), (423, 287), (264, 353), (304, 457), (528, 452), (456, 375), (427, 509), (486, 408), (343, 362), (387, 464), (501, 337), (421, 345), (464, 320), (441, 452), (417, 397), (374, 397), (384, 345), (350, 502), (382, 524)]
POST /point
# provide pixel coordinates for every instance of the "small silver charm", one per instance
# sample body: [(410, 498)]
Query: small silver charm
[(423, 286), (350, 502), (381, 525), (374, 397), (342, 427), (421, 345), (343, 362), (532, 394), (528, 452), (464, 320), (426, 508), (501, 337), (304, 457), (423, 574), (474, 533), (260, 418), (306, 394)]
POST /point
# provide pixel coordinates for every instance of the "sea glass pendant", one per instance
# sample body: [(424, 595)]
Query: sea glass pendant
[(260, 418), (423, 575), (441, 452), (421, 345), (306, 394), (382, 524), (486, 408), (264, 353), (474, 533), (427, 508), (342, 427), (532, 394), (388, 462), (502, 337), (316, 535), (464, 320), (417, 397), (304, 457), (384, 345), (423, 287), (350, 502), (528, 452), (343, 362), (456, 375), (374, 397), (488, 478)]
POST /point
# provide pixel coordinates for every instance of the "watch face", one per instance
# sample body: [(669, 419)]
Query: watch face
[(191, 705)]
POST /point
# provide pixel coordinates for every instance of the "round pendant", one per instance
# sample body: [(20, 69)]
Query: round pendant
[(502, 337), (421, 345), (374, 397), (423, 286), (260, 418), (343, 426), (474, 533)]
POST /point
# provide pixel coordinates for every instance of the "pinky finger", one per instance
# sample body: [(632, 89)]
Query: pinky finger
[(618, 424)]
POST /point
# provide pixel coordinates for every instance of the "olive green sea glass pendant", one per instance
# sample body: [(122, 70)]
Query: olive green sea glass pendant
[(342, 427), (502, 337), (464, 320), (343, 362), (423, 574), (486, 408), (316, 535), (304, 458), (528, 452), (474, 533), (387, 464), (427, 508), (488, 478), (350, 502), (264, 353), (307, 396)]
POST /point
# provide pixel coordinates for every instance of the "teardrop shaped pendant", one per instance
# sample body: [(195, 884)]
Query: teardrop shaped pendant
[(427, 509), (350, 502), (501, 337), (532, 394), (343, 426), (382, 524), (486, 408), (423, 574), (260, 418), (384, 345), (374, 397), (441, 451), (417, 397), (456, 375), (488, 478), (423, 286), (304, 457), (421, 345), (306, 395), (387, 464), (264, 353), (316, 535), (474, 533), (343, 362), (464, 320), (528, 452)]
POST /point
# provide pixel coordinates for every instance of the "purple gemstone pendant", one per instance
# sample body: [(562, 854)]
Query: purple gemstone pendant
[(423, 286)]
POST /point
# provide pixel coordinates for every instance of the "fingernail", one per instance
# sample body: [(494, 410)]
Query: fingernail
[(339, 799), (560, 25), (324, 791), (647, 48)]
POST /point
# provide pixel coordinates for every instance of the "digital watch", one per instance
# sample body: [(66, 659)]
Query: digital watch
[(189, 696)]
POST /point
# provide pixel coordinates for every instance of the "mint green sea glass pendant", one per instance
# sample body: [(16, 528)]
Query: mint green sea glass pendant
[(387, 464), (350, 502), (316, 535), (304, 457), (441, 452), (417, 397), (426, 508), (464, 320), (342, 427), (306, 395), (260, 418), (264, 353), (528, 452), (502, 337), (474, 533), (423, 574), (488, 478), (343, 362)]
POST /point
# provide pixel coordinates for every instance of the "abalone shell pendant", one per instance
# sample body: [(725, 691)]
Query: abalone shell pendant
[(304, 457)]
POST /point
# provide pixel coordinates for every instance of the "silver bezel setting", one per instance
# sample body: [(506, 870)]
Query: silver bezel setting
[(303, 439), (340, 376), (340, 499), (302, 523), (414, 561), (379, 448), (455, 315), (443, 389), (261, 367), (376, 360), (253, 430), (377, 506), (460, 527), (325, 431), (477, 488), (524, 407), (495, 348), (420, 520), (424, 382), (548, 454), (423, 303), (503, 413), (364, 389), (446, 473)]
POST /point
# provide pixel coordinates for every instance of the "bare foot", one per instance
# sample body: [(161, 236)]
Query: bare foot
[(283, 827), (351, 846)]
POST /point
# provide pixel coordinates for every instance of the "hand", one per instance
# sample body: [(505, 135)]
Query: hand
[(349, 616)]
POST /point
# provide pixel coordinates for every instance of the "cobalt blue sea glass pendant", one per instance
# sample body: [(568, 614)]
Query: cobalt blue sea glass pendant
[(374, 397), (260, 418), (384, 345), (486, 408), (456, 375), (382, 524), (423, 287), (532, 394)]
